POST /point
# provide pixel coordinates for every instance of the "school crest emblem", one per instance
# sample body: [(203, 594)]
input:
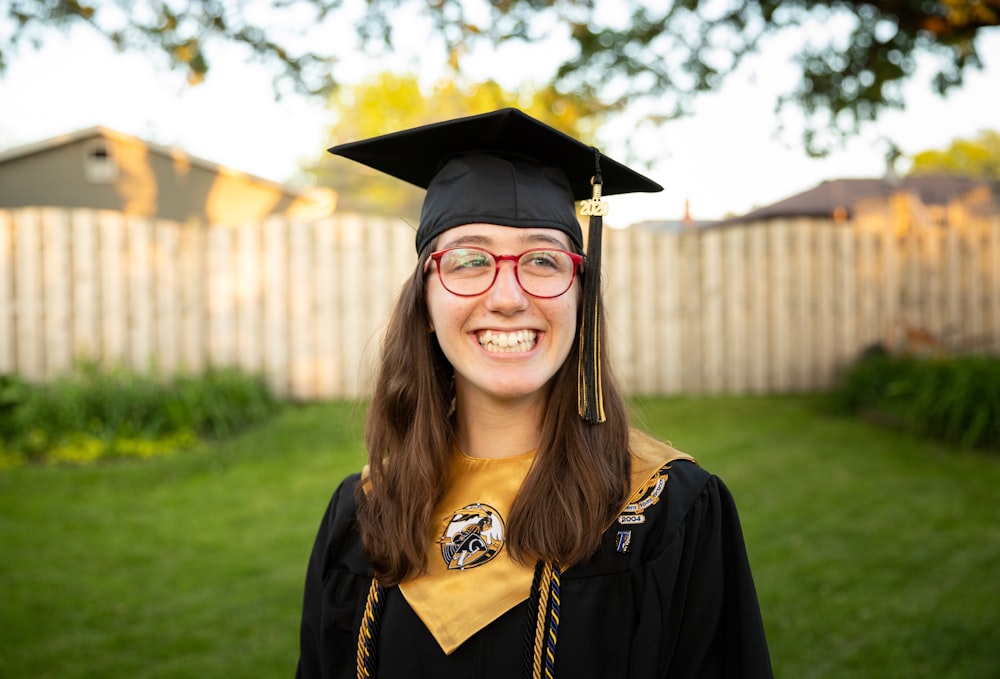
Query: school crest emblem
[(473, 536), (645, 496)]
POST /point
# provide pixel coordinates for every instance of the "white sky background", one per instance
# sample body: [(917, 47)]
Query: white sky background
[(725, 159)]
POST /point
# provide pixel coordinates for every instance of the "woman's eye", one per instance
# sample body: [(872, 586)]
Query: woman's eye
[(544, 260), (471, 260)]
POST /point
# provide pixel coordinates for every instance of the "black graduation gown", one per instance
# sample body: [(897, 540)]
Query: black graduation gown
[(678, 603)]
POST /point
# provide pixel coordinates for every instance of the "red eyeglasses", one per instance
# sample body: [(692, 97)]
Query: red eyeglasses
[(541, 272)]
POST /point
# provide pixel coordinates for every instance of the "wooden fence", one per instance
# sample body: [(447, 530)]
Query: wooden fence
[(774, 306)]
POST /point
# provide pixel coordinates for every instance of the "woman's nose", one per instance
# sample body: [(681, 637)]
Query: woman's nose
[(506, 295)]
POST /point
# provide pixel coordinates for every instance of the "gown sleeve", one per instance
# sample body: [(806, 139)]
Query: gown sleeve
[(711, 618), (333, 600), (676, 601)]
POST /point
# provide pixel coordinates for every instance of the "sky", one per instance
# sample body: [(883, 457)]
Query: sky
[(724, 159)]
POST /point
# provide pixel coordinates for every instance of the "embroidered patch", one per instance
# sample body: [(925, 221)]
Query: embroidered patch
[(645, 496), (473, 536), (623, 540)]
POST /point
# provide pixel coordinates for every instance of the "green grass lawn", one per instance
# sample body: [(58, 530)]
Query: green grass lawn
[(875, 554)]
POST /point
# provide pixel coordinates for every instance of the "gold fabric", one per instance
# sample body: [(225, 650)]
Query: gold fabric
[(456, 602), (648, 456)]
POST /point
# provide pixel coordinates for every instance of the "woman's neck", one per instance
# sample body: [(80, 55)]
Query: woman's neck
[(498, 429)]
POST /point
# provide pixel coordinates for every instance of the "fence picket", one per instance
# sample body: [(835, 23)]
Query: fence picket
[(28, 295), (824, 308), (166, 276), (113, 291), (672, 289), (247, 296), (8, 359), (712, 312), (352, 289), (845, 321), (778, 314), (142, 320), (56, 284), (275, 276), (327, 367), (992, 269), (85, 282), (803, 286), (757, 300), (737, 277)]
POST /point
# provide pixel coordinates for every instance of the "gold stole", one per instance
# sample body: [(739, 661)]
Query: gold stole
[(470, 579)]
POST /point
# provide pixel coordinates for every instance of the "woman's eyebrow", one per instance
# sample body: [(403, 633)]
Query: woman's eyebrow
[(541, 238), (481, 241), (531, 239)]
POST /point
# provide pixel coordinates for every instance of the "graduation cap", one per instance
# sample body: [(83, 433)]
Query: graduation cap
[(508, 168)]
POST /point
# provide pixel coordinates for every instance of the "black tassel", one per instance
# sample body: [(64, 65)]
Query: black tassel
[(591, 397)]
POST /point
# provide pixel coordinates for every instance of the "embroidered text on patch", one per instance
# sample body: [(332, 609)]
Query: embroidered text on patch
[(645, 496), (473, 536)]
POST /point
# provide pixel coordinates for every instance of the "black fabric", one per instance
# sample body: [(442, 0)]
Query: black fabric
[(679, 604), (416, 155), (484, 189), (544, 171)]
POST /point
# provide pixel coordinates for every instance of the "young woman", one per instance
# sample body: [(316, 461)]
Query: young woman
[(510, 523)]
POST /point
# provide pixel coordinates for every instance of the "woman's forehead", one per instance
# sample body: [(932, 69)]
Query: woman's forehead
[(491, 235)]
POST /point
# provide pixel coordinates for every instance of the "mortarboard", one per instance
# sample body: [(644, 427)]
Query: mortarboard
[(508, 168)]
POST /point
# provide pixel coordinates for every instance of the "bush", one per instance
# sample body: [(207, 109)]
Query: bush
[(92, 414), (955, 398)]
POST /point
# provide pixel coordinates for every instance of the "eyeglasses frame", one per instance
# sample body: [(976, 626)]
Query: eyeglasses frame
[(436, 256)]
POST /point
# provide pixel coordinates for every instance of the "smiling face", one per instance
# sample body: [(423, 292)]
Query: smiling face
[(503, 344)]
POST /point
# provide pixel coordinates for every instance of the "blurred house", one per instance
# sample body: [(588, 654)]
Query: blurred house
[(102, 169), (686, 223), (838, 199)]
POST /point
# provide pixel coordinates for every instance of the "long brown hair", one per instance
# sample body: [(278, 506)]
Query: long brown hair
[(577, 482)]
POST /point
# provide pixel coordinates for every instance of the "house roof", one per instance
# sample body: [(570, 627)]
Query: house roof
[(672, 225), (167, 151), (838, 196)]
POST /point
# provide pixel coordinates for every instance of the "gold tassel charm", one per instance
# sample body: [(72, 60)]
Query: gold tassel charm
[(595, 207)]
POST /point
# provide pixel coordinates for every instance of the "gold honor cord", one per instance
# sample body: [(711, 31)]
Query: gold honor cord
[(368, 634), (546, 623)]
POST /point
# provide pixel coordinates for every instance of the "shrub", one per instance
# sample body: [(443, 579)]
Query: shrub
[(92, 414), (952, 398)]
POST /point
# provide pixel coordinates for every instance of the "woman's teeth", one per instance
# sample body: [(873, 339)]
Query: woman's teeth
[(508, 342)]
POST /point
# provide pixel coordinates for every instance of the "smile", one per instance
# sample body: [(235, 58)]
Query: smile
[(508, 342)]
